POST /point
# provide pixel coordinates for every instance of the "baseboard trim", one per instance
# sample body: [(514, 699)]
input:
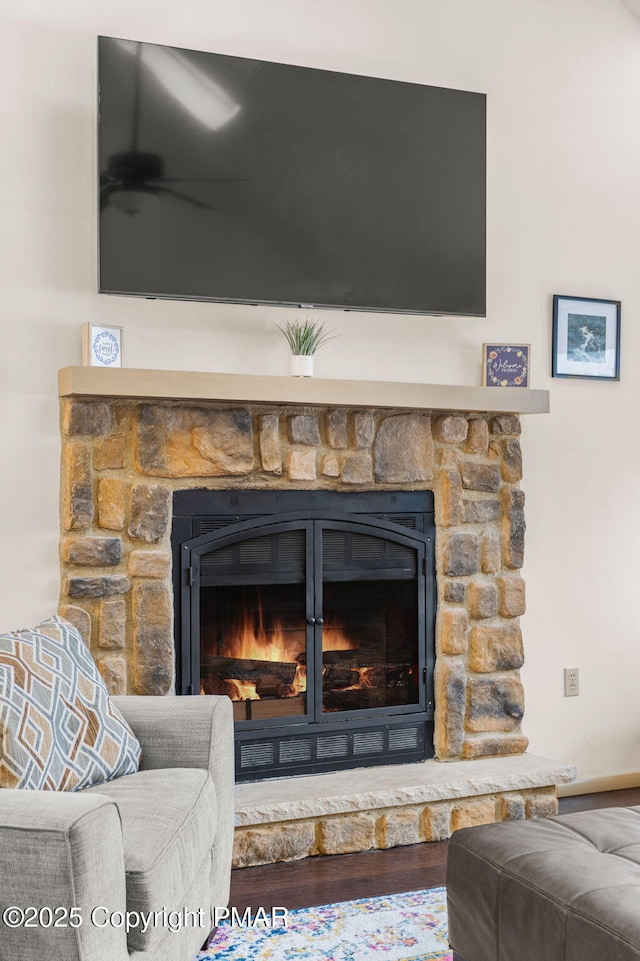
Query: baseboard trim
[(593, 785)]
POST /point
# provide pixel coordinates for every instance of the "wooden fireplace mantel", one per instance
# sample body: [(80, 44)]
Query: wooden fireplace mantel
[(313, 391)]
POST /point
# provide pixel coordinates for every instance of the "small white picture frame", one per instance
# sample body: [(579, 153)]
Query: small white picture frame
[(102, 346)]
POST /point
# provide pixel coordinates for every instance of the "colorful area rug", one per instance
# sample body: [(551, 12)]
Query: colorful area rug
[(397, 927)]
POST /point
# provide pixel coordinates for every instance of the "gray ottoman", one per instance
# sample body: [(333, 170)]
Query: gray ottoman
[(562, 889)]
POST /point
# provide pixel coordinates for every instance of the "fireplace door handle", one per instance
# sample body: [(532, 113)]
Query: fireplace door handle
[(319, 620), (315, 620)]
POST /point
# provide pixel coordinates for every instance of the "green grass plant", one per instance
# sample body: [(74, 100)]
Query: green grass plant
[(305, 337)]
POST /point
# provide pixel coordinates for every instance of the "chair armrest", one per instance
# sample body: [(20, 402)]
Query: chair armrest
[(192, 732), (180, 731), (185, 732), (61, 850)]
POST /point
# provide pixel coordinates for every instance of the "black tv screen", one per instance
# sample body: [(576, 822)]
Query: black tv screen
[(236, 180)]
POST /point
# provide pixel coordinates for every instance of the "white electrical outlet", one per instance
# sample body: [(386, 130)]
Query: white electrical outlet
[(571, 682)]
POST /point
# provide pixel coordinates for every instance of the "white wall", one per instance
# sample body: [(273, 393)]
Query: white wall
[(563, 85)]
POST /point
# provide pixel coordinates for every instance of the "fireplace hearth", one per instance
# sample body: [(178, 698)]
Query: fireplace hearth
[(315, 613)]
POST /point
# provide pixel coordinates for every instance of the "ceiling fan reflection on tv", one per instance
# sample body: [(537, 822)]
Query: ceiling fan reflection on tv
[(133, 173)]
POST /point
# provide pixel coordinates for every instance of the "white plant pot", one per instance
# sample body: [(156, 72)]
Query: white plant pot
[(302, 365)]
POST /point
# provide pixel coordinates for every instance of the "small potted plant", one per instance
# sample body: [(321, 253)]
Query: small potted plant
[(304, 337)]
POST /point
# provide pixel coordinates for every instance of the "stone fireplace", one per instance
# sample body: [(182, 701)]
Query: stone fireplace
[(131, 440)]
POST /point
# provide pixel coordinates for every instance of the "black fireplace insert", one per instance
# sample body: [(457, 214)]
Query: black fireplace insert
[(314, 612)]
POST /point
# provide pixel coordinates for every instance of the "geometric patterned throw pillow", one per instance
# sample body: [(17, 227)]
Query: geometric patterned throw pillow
[(59, 730)]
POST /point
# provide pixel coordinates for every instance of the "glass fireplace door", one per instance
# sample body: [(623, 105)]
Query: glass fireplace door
[(252, 617), (310, 620), (372, 618)]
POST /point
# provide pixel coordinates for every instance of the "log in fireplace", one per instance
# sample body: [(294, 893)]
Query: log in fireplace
[(314, 611)]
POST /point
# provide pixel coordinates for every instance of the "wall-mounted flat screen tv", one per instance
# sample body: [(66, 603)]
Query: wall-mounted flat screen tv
[(237, 180)]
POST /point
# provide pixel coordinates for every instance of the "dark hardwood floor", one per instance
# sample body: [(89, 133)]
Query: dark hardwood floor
[(608, 799), (322, 880)]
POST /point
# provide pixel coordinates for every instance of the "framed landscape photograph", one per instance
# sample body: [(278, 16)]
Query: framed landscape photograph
[(586, 338), (506, 365)]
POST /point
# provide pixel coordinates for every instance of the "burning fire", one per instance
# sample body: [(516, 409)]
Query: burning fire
[(252, 640), (366, 678), (334, 639), (243, 690)]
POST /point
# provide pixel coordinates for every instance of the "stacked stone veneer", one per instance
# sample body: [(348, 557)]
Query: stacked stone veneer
[(388, 827), (122, 459)]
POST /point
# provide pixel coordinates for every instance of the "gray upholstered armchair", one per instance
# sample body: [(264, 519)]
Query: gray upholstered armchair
[(156, 843)]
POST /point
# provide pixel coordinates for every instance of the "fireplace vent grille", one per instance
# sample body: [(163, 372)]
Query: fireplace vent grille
[(369, 742), (286, 550), (409, 521), (337, 746), (255, 755), (299, 749), (208, 524), (332, 751), (404, 739), (343, 549)]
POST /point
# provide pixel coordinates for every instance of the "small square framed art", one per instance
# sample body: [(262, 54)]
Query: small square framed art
[(586, 338), (102, 346), (506, 365)]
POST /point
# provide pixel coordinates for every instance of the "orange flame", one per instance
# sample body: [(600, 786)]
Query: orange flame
[(334, 639), (252, 640), (243, 691), (366, 679), (299, 683)]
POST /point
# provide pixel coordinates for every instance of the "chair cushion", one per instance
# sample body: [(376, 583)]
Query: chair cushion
[(168, 827), (58, 728)]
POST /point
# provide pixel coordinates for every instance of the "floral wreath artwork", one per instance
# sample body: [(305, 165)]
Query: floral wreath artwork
[(105, 348), (102, 346), (506, 365)]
